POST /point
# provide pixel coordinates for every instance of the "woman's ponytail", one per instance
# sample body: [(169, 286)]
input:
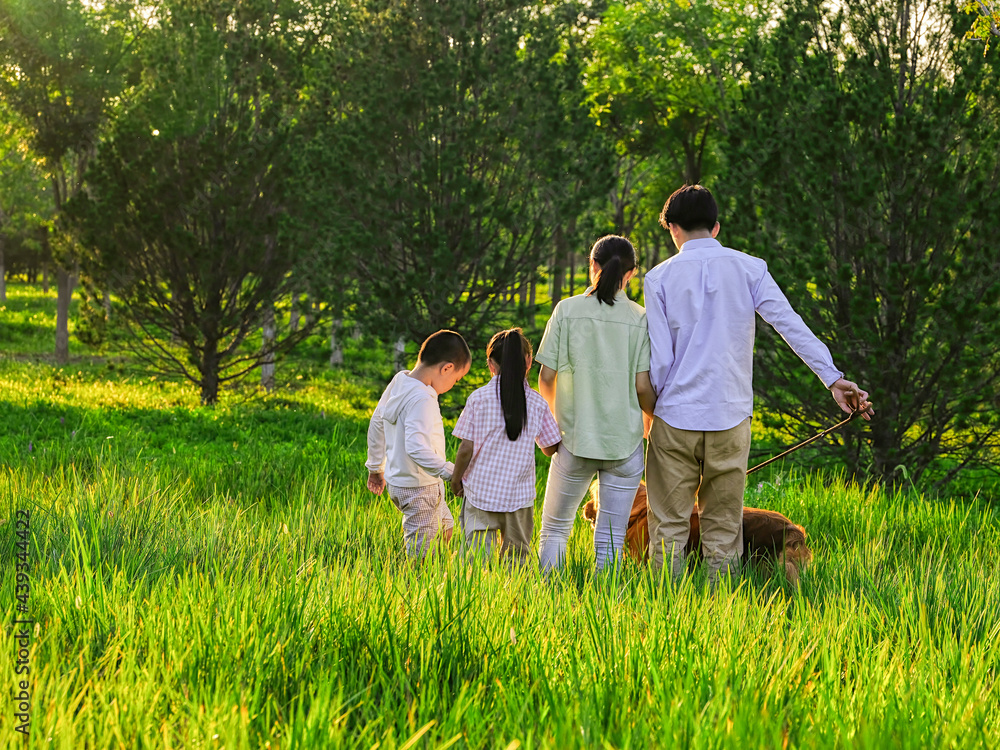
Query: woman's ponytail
[(609, 280), (615, 257), (510, 351)]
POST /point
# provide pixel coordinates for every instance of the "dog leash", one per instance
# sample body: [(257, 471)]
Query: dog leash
[(824, 433)]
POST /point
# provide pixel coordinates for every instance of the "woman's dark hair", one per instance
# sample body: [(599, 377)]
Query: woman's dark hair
[(616, 257), (509, 350)]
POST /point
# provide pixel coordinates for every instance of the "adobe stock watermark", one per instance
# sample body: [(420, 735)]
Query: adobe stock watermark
[(23, 624)]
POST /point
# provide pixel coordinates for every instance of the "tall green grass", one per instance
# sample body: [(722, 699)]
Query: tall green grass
[(221, 578), (172, 620)]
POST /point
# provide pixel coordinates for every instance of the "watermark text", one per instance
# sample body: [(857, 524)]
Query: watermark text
[(22, 624)]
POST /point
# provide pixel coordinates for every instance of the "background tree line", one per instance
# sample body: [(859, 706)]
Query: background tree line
[(227, 178)]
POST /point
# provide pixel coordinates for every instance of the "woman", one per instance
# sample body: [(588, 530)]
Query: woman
[(595, 377)]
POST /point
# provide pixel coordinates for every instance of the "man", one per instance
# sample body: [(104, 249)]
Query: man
[(701, 306)]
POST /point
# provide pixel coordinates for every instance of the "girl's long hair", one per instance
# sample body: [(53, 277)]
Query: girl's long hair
[(509, 350), (616, 257)]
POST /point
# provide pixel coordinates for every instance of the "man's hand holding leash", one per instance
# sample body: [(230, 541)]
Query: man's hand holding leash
[(851, 398)]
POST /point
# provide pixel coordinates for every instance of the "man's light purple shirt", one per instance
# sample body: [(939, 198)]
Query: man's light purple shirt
[(700, 306)]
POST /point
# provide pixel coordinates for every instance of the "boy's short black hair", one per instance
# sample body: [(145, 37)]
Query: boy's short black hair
[(691, 207), (444, 346)]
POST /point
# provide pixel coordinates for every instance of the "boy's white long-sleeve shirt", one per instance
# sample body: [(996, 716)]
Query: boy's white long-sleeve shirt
[(406, 435)]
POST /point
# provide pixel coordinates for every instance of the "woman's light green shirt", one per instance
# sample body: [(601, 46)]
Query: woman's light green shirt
[(596, 351)]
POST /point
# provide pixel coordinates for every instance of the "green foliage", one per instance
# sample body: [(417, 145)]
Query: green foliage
[(63, 66), (59, 67), (441, 157), (190, 211), (92, 327), (665, 75), (25, 203), (662, 80), (987, 22), (878, 221)]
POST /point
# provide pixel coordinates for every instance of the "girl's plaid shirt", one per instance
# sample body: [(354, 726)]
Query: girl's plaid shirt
[(501, 474)]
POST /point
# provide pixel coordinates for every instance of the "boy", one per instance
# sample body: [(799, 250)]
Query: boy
[(701, 308), (407, 432)]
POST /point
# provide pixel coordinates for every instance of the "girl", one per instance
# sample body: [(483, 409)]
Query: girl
[(595, 376), (495, 464)]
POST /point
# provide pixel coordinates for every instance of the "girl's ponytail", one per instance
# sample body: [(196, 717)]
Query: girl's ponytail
[(616, 257), (510, 351)]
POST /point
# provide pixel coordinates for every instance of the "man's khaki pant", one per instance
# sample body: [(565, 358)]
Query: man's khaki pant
[(684, 466)]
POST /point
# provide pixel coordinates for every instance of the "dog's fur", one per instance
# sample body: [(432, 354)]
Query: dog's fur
[(769, 538)]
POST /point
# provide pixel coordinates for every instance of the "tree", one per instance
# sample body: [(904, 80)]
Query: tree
[(190, 210), (581, 165), (879, 220), (25, 206), (441, 140), (662, 80), (664, 76), (62, 64)]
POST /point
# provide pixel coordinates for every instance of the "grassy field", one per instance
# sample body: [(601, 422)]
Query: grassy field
[(221, 578)]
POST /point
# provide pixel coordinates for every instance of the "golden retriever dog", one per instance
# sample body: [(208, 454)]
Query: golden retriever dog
[(769, 538)]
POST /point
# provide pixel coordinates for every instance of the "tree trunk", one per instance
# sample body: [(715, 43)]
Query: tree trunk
[(692, 163), (64, 284), (653, 257), (532, 297), (301, 310), (267, 350), (399, 354), (558, 269), (107, 304), (210, 375), (572, 274), (3, 273), (336, 350), (310, 311), (46, 260)]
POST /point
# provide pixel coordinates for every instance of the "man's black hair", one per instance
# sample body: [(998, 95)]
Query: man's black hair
[(691, 207), (444, 346)]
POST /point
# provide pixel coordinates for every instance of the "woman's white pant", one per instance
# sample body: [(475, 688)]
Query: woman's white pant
[(569, 479)]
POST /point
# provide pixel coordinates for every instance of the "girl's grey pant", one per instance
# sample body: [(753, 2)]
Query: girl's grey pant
[(569, 479)]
